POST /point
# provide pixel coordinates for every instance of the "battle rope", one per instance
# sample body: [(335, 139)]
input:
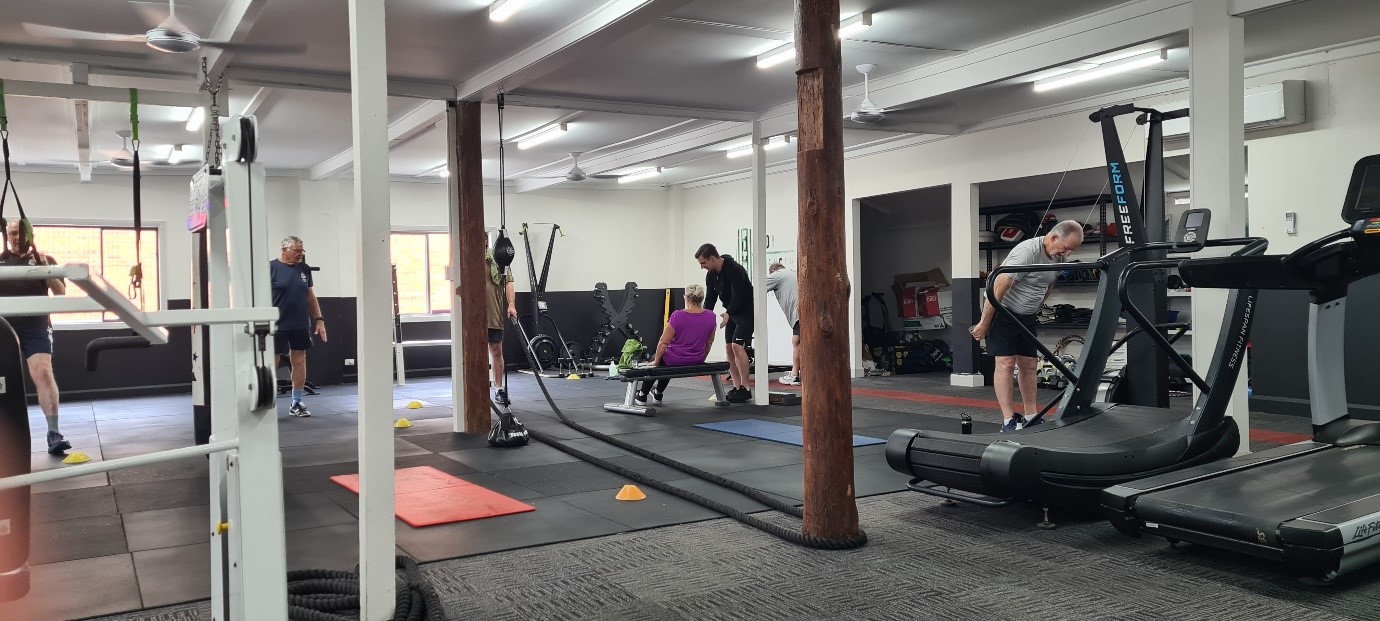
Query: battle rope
[(777, 530), (333, 595)]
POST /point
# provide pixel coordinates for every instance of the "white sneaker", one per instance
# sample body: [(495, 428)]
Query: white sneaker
[(640, 398), (790, 380)]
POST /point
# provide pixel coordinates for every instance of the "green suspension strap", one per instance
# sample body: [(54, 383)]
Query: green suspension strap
[(136, 273), (26, 228)]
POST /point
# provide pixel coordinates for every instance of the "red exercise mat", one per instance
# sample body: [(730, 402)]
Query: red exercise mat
[(425, 496)]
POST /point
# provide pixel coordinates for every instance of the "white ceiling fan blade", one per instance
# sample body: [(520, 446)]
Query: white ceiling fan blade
[(255, 48), (40, 30), (153, 13), (913, 127)]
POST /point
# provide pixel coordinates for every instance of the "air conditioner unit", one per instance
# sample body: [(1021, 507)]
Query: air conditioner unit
[(1280, 104)]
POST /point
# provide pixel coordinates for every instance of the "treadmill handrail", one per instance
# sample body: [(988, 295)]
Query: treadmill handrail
[(1296, 259)]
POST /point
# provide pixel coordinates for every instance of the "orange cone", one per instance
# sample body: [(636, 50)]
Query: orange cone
[(630, 492)]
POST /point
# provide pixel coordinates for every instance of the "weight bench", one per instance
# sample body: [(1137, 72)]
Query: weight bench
[(632, 376)]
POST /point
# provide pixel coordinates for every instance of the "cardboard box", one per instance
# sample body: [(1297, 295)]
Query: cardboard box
[(918, 293)]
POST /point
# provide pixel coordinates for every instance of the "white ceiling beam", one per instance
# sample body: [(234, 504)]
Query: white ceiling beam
[(620, 107), (1242, 7), (256, 101), (613, 20), (407, 127), (22, 88), (333, 83), (233, 25), (665, 147)]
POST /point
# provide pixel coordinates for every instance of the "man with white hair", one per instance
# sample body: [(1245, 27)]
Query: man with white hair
[(299, 315), (1022, 294)]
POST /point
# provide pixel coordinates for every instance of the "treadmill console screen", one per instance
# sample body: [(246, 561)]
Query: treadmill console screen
[(1363, 195), (1193, 230)]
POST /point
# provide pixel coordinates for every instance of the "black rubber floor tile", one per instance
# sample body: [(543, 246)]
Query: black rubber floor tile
[(339, 452), (553, 521), (726, 496), (657, 509), (174, 575), (313, 510), (161, 495), (449, 441), (79, 589), (327, 547), (191, 468), (662, 440), (737, 457), (72, 504), (70, 540), (561, 479), (166, 528), (489, 459)]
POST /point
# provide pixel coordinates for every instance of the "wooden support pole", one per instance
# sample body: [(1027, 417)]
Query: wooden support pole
[(827, 404), (469, 266)]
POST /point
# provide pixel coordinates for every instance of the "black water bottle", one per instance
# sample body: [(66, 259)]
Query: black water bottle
[(966, 424)]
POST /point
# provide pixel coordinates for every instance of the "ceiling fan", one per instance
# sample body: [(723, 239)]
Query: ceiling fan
[(170, 35), (869, 115), (576, 174)]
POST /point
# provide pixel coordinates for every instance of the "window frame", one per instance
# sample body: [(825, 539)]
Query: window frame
[(423, 231), (158, 226)]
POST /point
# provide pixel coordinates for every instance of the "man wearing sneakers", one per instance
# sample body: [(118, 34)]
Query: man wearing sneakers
[(1022, 293), (727, 280), (782, 280), (299, 315), (35, 331), (498, 292)]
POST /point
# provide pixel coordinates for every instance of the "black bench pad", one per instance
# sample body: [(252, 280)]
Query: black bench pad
[(693, 370)]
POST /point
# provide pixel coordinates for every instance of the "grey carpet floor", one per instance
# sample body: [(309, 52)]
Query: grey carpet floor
[(924, 561)]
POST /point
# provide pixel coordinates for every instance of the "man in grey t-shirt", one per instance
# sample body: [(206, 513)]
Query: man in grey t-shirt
[(782, 281), (1022, 294)]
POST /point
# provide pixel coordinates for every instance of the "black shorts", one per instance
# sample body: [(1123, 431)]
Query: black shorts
[(1005, 339), (738, 330), (795, 329), (495, 335), (293, 340), (34, 340)]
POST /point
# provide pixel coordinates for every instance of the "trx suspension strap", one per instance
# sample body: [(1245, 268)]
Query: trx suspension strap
[(136, 273), (26, 229)]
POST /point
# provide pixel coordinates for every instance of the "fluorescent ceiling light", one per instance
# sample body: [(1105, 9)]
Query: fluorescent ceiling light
[(646, 173), (545, 134), (445, 172), (1180, 201), (1130, 64), (743, 151), (195, 119), (503, 9), (855, 25), (776, 56), (776, 142), (175, 155)]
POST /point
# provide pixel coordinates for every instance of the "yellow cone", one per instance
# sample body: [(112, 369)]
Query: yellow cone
[(76, 457), (630, 492), (402, 423), (573, 376), (414, 405)]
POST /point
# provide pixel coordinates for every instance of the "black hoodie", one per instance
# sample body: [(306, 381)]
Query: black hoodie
[(732, 285)]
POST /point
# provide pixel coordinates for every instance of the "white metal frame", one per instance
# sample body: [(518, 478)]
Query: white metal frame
[(246, 529)]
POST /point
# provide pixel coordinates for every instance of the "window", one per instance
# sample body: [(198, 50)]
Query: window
[(421, 260), (110, 251)]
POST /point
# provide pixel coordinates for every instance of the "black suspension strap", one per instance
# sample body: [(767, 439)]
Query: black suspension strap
[(136, 273), (26, 228)]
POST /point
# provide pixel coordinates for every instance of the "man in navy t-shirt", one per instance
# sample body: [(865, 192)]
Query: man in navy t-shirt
[(299, 315)]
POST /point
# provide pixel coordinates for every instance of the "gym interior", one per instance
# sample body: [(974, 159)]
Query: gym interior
[(1208, 440)]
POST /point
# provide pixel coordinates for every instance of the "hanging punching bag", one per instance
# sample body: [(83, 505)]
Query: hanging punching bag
[(504, 252), (15, 447)]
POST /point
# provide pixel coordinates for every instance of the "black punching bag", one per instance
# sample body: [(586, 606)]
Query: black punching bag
[(14, 460)]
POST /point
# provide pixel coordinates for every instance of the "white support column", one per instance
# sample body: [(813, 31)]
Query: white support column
[(457, 350), (964, 223), (678, 259), (762, 386), (1218, 162), (369, 106)]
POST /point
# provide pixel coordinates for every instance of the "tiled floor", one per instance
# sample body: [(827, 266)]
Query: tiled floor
[(135, 538)]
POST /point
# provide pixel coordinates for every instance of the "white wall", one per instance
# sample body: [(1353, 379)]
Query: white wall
[(1302, 169)]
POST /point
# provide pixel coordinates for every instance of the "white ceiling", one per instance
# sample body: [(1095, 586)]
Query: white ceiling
[(682, 53)]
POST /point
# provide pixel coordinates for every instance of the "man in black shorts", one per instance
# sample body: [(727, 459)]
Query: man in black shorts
[(727, 280), (299, 315), (498, 293), (35, 331), (781, 280), (1022, 293)]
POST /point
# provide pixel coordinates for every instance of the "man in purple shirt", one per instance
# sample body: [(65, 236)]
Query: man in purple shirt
[(684, 341)]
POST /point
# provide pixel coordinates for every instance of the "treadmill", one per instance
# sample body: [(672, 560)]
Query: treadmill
[(1313, 505), (1090, 445)]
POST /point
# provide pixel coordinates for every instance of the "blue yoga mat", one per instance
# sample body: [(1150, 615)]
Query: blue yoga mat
[(775, 432)]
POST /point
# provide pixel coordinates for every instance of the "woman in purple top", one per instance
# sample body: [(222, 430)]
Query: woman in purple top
[(684, 341)]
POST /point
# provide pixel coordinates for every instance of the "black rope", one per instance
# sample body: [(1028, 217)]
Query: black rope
[(334, 595), (26, 229), (136, 273), (777, 530)]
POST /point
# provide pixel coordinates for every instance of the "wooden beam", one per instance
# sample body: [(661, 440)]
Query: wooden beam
[(827, 406), (468, 188)]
